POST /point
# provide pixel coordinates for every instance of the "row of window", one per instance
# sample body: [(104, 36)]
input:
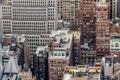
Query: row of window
[(28, 32), (40, 36)]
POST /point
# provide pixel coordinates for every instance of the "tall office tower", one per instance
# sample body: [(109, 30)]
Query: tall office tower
[(102, 29), (87, 20), (113, 9), (68, 10), (35, 18)]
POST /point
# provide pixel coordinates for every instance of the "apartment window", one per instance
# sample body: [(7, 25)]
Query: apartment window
[(116, 44), (55, 54)]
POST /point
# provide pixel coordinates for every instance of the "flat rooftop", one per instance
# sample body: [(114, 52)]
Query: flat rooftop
[(40, 50), (11, 50), (16, 37), (11, 45), (63, 40)]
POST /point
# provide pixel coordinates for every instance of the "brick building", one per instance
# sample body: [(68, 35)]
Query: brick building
[(87, 20), (94, 24), (102, 29), (60, 55)]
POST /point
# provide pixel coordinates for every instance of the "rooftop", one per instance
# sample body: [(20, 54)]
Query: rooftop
[(11, 70), (82, 72), (11, 50), (12, 44), (41, 50), (15, 37), (62, 44)]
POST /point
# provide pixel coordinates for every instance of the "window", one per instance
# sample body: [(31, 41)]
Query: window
[(63, 54), (111, 45), (55, 54), (116, 44)]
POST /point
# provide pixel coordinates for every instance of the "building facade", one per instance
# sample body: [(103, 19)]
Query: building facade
[(102, 29), (26, 74), (15, 46), (118, 8), (114, 39), (68, 10), (37, 40), (94, 24), (60, 55), (76, 49), (115, 45), (29, 17), (1, 29), (82, 72), (40, 63), (87, 20), (114, 7), (36, 18)]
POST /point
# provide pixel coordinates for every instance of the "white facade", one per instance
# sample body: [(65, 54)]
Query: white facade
[(35, 40), (29, 16), (115, 45)]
